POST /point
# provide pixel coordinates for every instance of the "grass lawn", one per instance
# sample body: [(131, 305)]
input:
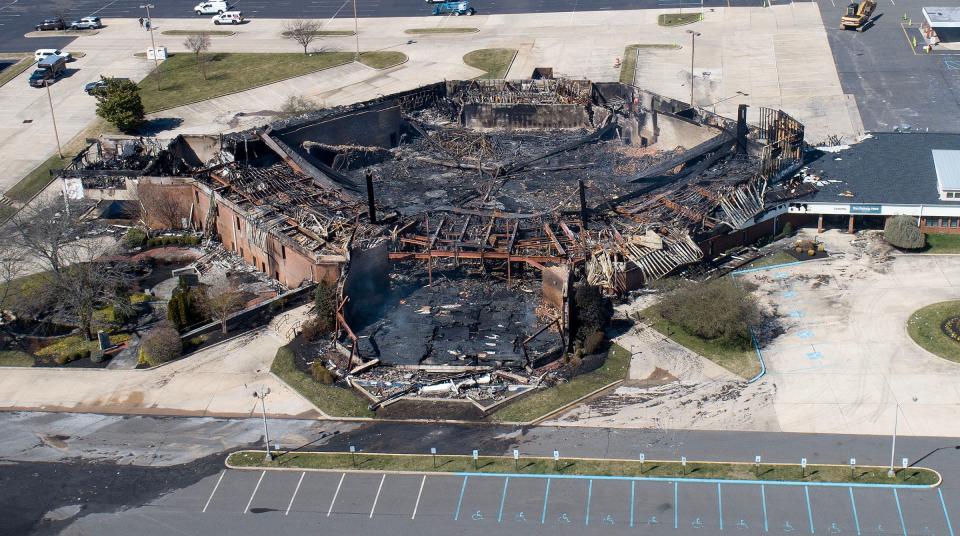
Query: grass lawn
[(628, 66), (943, 243), (583, 467), (773, 259), (334, 401), (678, 19), (181, 82), (211, 33), (925, 327), (741, 362), (24, 62), (545, 401), (15, 358), (428, 31), (322, 33), (76, 344), (495, 61), (38, 179)]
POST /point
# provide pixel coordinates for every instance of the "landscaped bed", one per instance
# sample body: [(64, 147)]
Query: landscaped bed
[(332, 400), (936, 329), (495, 61), (364, 461)]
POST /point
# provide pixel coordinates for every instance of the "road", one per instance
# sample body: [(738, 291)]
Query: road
[(191, 493)]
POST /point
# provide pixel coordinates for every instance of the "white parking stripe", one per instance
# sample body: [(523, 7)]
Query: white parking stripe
[(377, 498), (419, 493), (303, 474), (335, 494), (254, 494), (214, 491)]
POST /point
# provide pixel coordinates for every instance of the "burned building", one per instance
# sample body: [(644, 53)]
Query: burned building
[(456, 218)]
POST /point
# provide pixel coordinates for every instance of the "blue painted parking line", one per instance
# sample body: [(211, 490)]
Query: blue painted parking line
[(763, 501), (806, 493), (903, 526), (945, 514), (720, 504), (676, 507), (503, 498), (632, 501), (586, 517), (853, 505), (456, 515), (546, 495)]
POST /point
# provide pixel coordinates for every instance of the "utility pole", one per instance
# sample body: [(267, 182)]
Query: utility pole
[(356, 30), (893, 443), (156, 62), (54, 118), (262, 393), (693, 50)]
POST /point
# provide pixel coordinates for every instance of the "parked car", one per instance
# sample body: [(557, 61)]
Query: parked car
[(51, 24), (93, 87), (229, 17), (206, 8), (86, 23), (41, 53), (455, 8), (48, 70)]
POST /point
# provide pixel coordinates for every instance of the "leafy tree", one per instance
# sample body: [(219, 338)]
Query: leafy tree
[(184, 309), (119, 103), (325, 305), (160, 345), (902, 232), (718, 310)]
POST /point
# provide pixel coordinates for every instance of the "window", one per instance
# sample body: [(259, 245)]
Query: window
[(238, 223), (263, 267), (932, 222), (196, 195), (283, 252), (241, 253), (953, 222)]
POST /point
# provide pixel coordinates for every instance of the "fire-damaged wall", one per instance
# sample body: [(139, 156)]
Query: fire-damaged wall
[(375, 126), (489, 115), (367, 284)]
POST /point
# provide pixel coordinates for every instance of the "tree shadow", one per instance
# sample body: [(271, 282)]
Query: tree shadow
[(160, 124)]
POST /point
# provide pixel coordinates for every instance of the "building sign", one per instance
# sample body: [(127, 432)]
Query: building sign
[(864, 209)]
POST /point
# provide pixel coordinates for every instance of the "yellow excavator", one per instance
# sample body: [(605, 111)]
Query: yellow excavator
[(857, 15)]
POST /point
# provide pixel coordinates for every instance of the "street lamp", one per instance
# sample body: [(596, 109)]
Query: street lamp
[(893, 443), (56, 134), (735, 95), (693, 49), (262, 393), (156, 62), (356, 30)]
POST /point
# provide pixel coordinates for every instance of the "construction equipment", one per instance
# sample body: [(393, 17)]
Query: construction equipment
[(857, 15)]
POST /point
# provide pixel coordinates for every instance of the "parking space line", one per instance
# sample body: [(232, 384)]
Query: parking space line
[(896, 497), (297, 489), (217, 485), (763, 501), (546, 495), (254, 494), (945, 514), (853, 505), (632, 501), (806, 492), (456, 515), (419, 493), (503, 498), (720, 504), (586, 518), (335, 493), (377, 497), (676, 507)]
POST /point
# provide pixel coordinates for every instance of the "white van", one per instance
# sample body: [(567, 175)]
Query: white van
[(44, 52), (229, 17), (214, 6)]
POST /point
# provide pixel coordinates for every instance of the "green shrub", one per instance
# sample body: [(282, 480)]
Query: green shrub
[(902, 232), (135, 237), (62, 359), (313, 329), (325, 304), (160, 345), (717, 310), (321, 373), (119, 103), (787, 229), (184, 309)]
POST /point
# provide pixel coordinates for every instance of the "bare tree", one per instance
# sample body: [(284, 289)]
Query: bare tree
[(159, 205), (220, 301), (298, 105), (302, 31), (199, 44)]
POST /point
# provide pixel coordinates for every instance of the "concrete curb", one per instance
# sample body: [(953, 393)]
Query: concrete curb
[(611, 460), (567, 406)]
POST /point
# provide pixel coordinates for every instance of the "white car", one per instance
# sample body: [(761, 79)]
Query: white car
[(228, 17), (44, 52), (207, 8)]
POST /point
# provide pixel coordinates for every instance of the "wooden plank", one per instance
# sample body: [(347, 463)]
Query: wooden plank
[(553, 237)]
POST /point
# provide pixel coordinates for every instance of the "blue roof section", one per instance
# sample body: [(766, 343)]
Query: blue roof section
[(888, 168), (947, 164)]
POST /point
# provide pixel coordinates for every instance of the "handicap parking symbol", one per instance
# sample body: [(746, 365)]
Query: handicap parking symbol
[(608, 520), (653, 521), (789, 294), (697, 523), (787, 527), (519, 517), (834, 529), (952, 65), (742, 525), (562, 518), (477, 516), (796, 314), (805, 334)]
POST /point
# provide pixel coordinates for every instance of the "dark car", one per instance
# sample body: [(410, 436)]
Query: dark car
[(51, 24), (93, 87), (49, 69)]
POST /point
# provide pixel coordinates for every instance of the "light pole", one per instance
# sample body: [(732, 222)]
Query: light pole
[(54, 118), (262, 393), (735, 95), (156, 62), (356, 30), (693, 50), (893, 443)]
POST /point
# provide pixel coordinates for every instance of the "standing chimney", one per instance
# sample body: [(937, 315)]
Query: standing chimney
[(371, 204), (583, 205), (742, 129)]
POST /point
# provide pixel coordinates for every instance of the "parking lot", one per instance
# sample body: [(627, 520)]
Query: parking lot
[(407, 503)]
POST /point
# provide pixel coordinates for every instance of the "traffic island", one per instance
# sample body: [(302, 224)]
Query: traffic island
[(560, 466), (936, 329), (678, 19)]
